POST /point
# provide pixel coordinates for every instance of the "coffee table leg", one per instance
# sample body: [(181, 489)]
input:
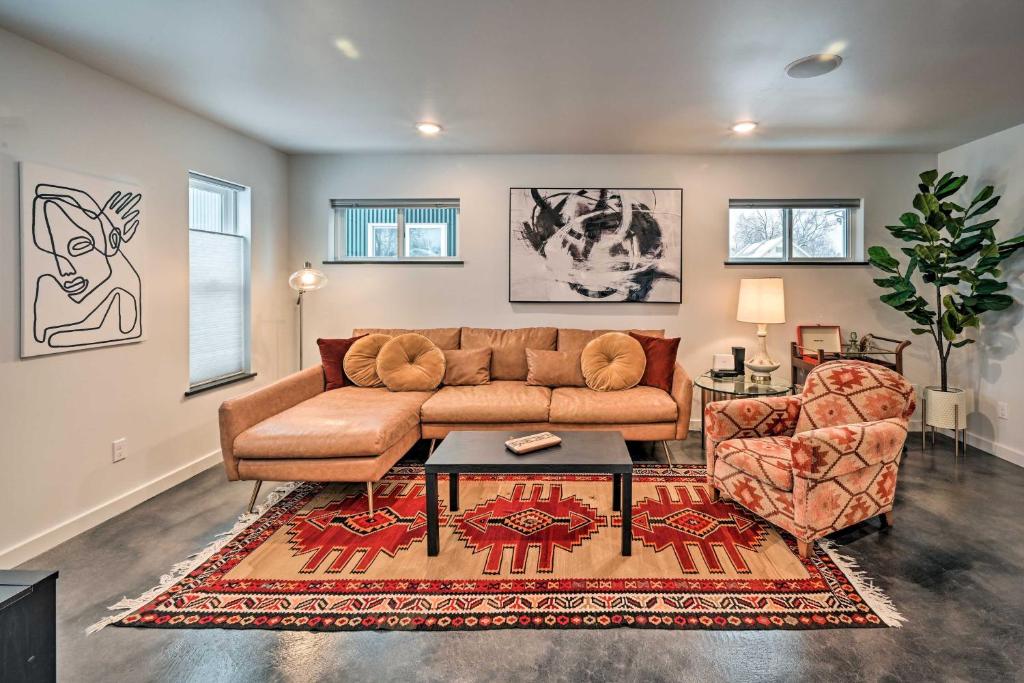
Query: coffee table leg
[(432, 531), (616, 492), (453, 491), (627, 514)]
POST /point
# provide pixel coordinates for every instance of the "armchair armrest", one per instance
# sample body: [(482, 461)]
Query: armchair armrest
[(238, 414), (682, 394), (834, 451), (751, 417)]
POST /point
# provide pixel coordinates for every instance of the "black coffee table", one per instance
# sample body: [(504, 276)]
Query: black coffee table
[(485, 452)]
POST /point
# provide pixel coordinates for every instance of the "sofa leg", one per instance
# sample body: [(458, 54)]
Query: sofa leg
[(889, 518), (668, 453), (255, 492), (369, 494), (805, 548), (433, 444)]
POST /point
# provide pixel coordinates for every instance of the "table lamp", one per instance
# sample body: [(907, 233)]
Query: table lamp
[(308, 279), (763, 302)]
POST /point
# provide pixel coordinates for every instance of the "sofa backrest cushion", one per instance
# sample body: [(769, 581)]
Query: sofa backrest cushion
[(574, 340), (554, 369), (467, 367), (508, 347), (443, 337)]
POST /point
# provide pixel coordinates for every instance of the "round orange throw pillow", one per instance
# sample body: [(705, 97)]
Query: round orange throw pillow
[(612, 362), (360, 361), (410, 362)]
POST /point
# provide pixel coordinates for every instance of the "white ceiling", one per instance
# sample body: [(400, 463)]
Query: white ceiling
[(574, 76)]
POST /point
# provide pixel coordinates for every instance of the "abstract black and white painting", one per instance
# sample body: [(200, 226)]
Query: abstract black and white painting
[(584, 244), (81, 261)]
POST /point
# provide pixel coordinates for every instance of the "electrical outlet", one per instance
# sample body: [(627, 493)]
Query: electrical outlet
[(1003, 410), (119, 450)]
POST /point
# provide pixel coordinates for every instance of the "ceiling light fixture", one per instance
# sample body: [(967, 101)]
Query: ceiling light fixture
[(428, 127), (813, 65), (347, 48), (744, 127)]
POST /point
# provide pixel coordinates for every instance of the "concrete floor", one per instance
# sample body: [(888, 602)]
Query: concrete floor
[(953, 564)]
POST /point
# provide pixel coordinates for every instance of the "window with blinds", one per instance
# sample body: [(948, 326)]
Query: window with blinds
[(218, 248), (395, 230), (794, 230)]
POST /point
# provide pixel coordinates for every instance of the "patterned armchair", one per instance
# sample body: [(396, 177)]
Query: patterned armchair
[(818, 462)]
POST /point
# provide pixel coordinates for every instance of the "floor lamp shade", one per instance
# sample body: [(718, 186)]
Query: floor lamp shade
[(306, 279)]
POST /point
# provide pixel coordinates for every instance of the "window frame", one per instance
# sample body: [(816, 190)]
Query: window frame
[(853, 228), (239, 213), (338, 247)]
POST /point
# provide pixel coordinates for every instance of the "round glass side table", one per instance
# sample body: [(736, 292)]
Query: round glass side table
[(721, 389)]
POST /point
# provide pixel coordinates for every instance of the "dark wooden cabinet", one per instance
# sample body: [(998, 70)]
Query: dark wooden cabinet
[(28, 626)]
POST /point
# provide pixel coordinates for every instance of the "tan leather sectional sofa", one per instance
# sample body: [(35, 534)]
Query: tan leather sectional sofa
[(294, 430)]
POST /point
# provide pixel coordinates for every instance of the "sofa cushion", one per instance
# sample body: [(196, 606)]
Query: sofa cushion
[(661, 360), (410, 362), (767, 459), (574, 340), (639, 405), (508, 347), (553, 369), (613, 362), (467, 367), (347, 422), (360, 361), (443, 337), (499, 401), (332, 354)]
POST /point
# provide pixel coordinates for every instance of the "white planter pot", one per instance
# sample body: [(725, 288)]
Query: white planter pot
[(945, 409)]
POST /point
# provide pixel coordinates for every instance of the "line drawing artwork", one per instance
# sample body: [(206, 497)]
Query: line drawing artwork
[(592, 245), (80, 289)]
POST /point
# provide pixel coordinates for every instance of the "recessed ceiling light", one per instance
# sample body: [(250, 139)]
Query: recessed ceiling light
[(428, 127), (744, 127), (347, 48), (813, 65)]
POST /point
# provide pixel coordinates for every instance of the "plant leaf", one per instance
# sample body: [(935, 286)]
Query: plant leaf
[(880, 258), (984, 208), (928, 177), (984, 194)]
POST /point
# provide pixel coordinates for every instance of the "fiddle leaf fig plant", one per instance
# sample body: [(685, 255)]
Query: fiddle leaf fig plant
[(955, 252)]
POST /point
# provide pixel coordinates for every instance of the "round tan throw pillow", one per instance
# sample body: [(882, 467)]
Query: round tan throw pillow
[(613, 361), (410, 362), (360, 362)]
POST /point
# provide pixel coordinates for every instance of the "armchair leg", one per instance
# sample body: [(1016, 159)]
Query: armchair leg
[(255, 492), (805, 548), (889, 518), (668, 453), (369, 494), (712, 490)]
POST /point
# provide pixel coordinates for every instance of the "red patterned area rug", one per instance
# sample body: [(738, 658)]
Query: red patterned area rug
[(522, 552)]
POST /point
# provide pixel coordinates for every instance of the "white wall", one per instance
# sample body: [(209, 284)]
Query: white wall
[(59, 414), (994, 366), (477, 293)]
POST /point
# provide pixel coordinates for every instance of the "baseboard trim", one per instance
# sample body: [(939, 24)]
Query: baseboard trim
[(54, 536)]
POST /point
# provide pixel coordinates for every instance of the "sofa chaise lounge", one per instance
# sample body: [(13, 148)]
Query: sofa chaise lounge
[(295, 430)]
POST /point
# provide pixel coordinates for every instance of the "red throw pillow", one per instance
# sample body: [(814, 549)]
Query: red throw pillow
[(661, 360), (332, 353)]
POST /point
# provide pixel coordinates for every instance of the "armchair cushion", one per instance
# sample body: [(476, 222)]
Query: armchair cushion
[(834, 451), (751, 417), (847, 392), (767, 459)]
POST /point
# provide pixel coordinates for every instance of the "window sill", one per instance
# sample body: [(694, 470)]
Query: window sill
[(392, 262), (807, 262), (218, 383)]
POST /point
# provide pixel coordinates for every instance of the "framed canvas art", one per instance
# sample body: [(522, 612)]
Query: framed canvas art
[(591, 245), (81, 261)]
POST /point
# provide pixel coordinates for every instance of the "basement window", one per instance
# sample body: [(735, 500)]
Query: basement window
[(795, 231), (394, 231)]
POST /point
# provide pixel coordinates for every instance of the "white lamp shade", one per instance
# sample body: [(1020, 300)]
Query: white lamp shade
[(762, 300), (307, 279)]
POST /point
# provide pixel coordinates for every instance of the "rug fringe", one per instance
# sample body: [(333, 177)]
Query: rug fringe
[(880, 603), (126, 605)]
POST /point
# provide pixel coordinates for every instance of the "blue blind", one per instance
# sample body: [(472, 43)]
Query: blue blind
[(358, 218)]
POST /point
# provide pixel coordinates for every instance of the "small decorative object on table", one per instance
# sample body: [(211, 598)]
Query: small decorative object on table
[(724, 365), (534, 442)]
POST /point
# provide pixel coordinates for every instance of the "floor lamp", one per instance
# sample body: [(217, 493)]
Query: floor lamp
[(308, 279)]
